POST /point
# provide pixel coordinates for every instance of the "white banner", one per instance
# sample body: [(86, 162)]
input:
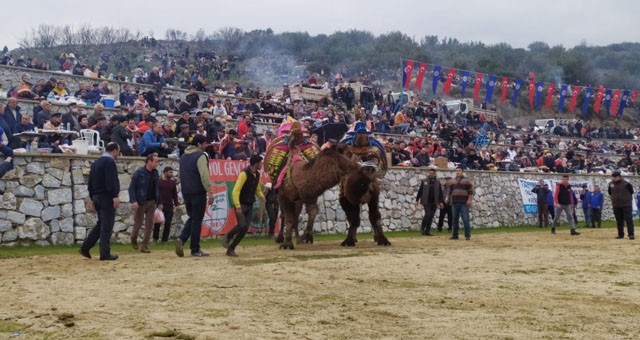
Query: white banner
[(529, 198)]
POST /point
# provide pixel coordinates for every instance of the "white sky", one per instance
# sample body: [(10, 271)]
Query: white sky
[(516, 22)]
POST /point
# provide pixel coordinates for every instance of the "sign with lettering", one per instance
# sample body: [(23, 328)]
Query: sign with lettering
[(220, 216)]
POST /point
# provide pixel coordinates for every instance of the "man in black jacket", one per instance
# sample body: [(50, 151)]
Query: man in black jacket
[(196, 191), (430, 196), (104, 188), (144, 195), (621, 193), (542, 190)]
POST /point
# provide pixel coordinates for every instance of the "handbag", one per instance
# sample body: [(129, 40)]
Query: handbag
[(158, 216)]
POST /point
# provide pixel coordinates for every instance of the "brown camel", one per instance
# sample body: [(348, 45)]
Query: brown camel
[(305, 182)]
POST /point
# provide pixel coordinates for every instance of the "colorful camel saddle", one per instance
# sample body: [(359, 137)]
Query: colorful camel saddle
[(366, 147), (277, 156)]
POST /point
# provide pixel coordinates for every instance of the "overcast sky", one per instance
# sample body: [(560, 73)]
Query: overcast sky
[(518, 23)]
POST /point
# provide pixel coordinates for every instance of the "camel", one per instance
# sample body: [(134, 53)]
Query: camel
[(363, 187), (304, 182)]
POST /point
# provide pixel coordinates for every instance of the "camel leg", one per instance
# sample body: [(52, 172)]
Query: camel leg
[(376, 221), (312, 212), (297, 212), (288, 210), (353, 217), (280, 238)]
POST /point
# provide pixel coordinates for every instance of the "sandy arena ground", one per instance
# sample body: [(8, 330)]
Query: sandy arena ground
[(498, 286)]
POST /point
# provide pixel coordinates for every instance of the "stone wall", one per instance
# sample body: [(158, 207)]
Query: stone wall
[(45, 200)]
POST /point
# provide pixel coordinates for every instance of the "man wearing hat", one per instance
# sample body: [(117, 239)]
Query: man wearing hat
[(621, 193), (71, 117)]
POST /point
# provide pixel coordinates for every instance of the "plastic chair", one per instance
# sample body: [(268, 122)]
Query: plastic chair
[(93, 138)]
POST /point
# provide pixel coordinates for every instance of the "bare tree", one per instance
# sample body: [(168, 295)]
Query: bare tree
[(67, 35), (174, 35), (46, 36), (229, 37), (86, 35), (199, 36)]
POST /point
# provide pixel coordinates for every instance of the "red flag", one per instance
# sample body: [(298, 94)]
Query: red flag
[(447, 84), (634, 96), (421, 71), (547, 104), (406, 76), (505, 85), (599, 95), (476, 90), (574, 98), (532, 91), (614, 101)]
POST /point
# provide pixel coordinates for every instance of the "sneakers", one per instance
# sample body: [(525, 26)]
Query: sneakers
[(574, 232), (109, 258), (225, 242), (453, 238), (468, 238), (231, 253), (631, 237), (619, 237), (85, 253), (553, 230), (199, 253), (179, 248)]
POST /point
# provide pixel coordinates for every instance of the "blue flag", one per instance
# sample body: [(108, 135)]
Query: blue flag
[(587, 96), (607, 101), (490, 85), (623, 102), (539, 88), (516, 92), (436, 77), (563, 96), (465, 79)]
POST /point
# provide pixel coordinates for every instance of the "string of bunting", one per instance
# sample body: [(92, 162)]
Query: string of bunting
[(613, 100)]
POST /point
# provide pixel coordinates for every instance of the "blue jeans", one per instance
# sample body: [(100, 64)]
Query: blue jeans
[(196, 205), (587, 216), (460, 209)]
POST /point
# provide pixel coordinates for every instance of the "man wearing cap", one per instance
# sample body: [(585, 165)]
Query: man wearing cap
[(621, 193), (542, 190), (245, 190), (196, 191), (71, 117)]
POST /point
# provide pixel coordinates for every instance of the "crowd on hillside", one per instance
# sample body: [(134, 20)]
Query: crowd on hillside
[(420, 132)]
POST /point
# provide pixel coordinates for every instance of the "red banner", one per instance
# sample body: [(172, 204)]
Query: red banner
[(408, 68), (574, 98), (505, 85), (420, 77), (220, 217), (550, 90), (476, 90), (447, 83), (599, 95), (614, 102), (634, 96), (532, 91)]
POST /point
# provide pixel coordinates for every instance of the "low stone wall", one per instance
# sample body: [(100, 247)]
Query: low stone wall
[(45, 200)]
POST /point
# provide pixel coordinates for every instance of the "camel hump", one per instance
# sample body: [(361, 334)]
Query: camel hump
[(278, 152)]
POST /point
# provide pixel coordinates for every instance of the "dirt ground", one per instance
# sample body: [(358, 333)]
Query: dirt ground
[(498, 286)]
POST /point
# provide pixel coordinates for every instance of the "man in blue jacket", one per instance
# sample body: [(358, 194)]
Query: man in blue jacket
[(585, 197), (597, 199), (153, 142), (144, 196)]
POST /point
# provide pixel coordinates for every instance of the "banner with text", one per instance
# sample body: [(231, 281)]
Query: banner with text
[(529, 198), (220, 217)]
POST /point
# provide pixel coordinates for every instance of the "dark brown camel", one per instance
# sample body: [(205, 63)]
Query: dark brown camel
[(357, 188), (305, 182)]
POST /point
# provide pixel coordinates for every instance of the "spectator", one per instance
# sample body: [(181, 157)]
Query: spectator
[(144, 195), (621, 193), (153, 142), (430, 196), (169, 200)]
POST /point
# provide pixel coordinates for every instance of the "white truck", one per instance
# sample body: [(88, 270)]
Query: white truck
[(551, 126)]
